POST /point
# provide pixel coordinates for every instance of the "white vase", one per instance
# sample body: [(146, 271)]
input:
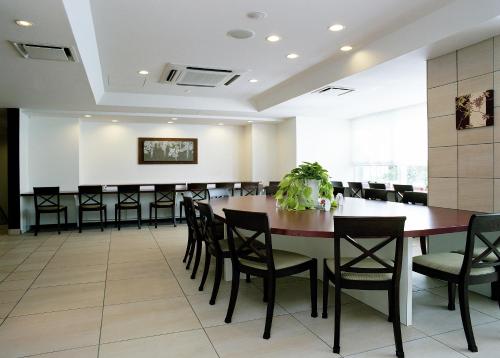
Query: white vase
[(314, 185)]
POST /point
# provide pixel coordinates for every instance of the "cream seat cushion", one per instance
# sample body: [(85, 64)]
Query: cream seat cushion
[(448, 262), (282, 259), (479, 250), (358, 276)]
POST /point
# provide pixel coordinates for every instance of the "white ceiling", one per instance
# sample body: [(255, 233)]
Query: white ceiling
[(115, 39)]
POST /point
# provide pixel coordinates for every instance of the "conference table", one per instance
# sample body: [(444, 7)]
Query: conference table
[(305, 232)]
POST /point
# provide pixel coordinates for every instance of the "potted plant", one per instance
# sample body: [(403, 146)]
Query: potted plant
[(301, 188)]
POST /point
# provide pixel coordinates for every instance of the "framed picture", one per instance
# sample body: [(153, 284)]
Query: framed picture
[(474, 110), (168, 151)]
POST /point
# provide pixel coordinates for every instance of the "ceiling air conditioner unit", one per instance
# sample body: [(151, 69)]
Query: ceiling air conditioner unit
[(192, 76), (45, 52), (331, 90)]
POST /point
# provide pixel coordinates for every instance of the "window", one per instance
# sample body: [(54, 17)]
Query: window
[(391, 146)]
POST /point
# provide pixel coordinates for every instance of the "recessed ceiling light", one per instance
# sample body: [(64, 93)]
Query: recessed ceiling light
[(221, 124), (87, 116), (250, 121), (174, 119), (170, 122), (24, 23), (115, 121), (346, 48), (292, 56), (336, 27), (241, 34), (273, 38), (143, 72), (256, 15), (253, 80)]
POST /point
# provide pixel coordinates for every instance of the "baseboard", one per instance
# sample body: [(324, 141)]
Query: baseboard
[(14, 231), (96, 224)]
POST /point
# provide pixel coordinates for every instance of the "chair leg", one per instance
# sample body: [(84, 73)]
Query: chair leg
[(463, 298), (37, 223), (197, 258), (390, 316), (116, 217), (396, 322), (156, 217), (265, 296), (313, 280), (235, 284), (188, 246), (270, 306), (336, 333), (105, 217), (423, 245), (119, 218), (150, 214), (100, 219), (452, 290), (206, 268), (59, 223), (65, 219), (173, 215), (248, 278), (80, 219), (326, 287), (139, 216), (191, 251), (218, 278), (180, 212)]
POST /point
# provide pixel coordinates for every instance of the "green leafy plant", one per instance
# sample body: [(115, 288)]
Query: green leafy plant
[(294, 193)]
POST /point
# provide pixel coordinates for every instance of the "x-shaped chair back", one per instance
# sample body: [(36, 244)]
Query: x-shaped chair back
[(165, 193), (191, 215), (208, 230), (479, 225), (244, 245), (249, 188), (218, 193), (355, 230), (198, 191), (399, 190), (129, 194), (415, 198), (47, 196), (228, 186), (90, 195), (376, 185), (356, 189)]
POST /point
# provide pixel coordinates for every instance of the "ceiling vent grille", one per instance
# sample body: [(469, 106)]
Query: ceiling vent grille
[(191, 76), (45, 52), (331, 90)]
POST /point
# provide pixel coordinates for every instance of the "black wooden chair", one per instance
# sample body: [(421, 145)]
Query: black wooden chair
[(250, 256), (417, 198), (367, 271), (399, 189), (228, 186), (376, 185), (356, 189), (478, 264), (197, 191), (90, 199), (195, 241), (129, 198), (249, 188), (271, 190), (376, 194), (274, 183), (218, 193), (164, 198), (338, 188), (47, 200)]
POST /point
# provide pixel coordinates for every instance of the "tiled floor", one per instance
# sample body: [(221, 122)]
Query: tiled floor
[(127, 294)]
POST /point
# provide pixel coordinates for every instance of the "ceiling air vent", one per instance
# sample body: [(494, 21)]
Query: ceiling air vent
[(45, 52), (192, 76), (336, 91)]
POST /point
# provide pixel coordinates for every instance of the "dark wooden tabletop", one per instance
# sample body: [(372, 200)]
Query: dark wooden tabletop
[(420, 220)]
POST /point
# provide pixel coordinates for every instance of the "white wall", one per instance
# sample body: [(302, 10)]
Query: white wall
[(264, 153), (108, 153), (286, 146), (326, 141)]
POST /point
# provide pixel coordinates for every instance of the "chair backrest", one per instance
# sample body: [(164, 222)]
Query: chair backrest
[(198, 190), (191, 215), (46, 196), (274, 183), (244, 245), (356, 189), (271, 190), (90, 195), (376, 194), (165, 193), (479, 225), (129, 194), (399, 189), (249, 188), (337, 184), (357, 230), (376, 185), (218, 193), (228, 186), (207, 228), (338, 190), (414, 197)]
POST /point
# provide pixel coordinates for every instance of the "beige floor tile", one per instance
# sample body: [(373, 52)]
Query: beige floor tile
[(249, 306), (179, 345), (23, 275), (80, 274), (3, 275), (11, 296), (49, 332), (135, 255), (140, 289), (7, 268), (5, 308), (59, 298), (423, 282), (127, 270), (147, 318), (288, 339), (425, 347), (88, 352), (15, 285), (362, 328), (486, 336), (431, 315)]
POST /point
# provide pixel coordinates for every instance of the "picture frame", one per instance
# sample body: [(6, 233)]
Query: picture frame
[(168, 150), (474, 110)]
